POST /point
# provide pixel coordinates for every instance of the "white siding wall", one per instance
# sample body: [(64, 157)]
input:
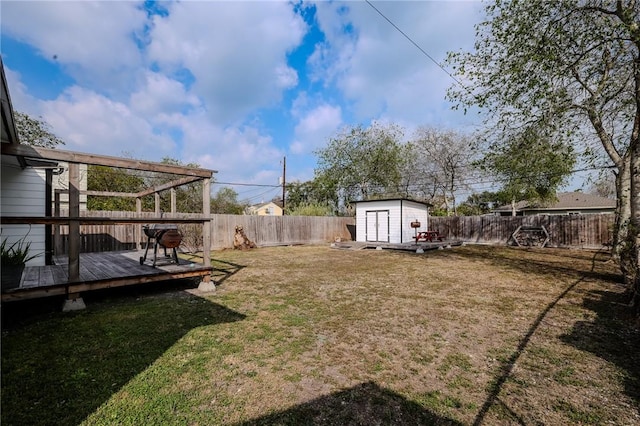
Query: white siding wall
[(401, 214), (412, 211), (61, 181), (23, 194)]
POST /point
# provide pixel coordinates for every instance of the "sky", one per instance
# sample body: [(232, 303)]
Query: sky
[(232, 86)]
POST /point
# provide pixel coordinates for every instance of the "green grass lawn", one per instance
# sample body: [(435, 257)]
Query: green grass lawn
[(314, 335)]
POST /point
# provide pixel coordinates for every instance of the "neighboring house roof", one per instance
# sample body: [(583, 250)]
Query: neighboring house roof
[(565, 201)]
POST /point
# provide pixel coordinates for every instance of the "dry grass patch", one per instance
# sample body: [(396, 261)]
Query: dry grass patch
[(473, 334)]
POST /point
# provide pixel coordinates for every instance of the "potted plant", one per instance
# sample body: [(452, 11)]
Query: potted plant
[(12, 260)]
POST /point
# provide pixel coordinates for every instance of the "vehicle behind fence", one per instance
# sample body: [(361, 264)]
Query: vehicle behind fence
[(574, 231)]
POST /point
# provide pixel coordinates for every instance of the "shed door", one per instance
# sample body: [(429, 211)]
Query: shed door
[(377, 226)]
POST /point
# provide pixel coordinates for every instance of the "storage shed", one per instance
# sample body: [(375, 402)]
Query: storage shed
[(389, 220)]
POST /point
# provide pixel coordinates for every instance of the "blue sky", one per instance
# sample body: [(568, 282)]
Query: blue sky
[(232, 86)]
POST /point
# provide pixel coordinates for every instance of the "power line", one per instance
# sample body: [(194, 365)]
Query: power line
[(259, 196), (416, 45), (245, 184)]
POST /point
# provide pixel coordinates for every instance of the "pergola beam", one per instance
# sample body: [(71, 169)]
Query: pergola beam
[(27, 151), (178, 182)]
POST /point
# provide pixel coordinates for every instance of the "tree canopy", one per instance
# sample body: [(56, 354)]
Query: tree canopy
[(373, 162), (225, 201), (101, 178), (572, 67), (361, 162), (529, 166), (35, 131), (443, 161), (317, 197)]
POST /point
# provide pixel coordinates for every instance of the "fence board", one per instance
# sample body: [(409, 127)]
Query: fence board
[(577, 231), (263, 230)]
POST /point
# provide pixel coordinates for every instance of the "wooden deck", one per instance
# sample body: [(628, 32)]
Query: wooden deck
[(419, 247), (99, 271)]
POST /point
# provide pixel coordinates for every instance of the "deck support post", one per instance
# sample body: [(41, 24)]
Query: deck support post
[(74, 222), (206, 285), (73, 303)]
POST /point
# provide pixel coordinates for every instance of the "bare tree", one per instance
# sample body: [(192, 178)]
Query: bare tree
[(443, 161)]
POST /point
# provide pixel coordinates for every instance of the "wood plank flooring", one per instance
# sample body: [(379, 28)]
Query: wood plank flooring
[(101, 270)]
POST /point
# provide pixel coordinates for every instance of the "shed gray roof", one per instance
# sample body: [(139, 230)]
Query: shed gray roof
[(566, 201), (392, 199)]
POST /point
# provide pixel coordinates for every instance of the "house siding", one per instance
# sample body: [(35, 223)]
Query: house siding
[(61, 182), (23, 194), (269, 209), (400, 212)]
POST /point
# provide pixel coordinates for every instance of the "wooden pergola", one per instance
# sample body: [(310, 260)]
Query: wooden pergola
[(185, 175)]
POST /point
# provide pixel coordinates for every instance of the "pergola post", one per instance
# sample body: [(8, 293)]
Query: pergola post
[(74, 223), (156, 197), (206, 284), (57, 237), (74, 301), (139, 239)]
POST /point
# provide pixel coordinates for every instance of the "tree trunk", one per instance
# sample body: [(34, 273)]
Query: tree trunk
[(625, 243), (623, 207), (634, 229)]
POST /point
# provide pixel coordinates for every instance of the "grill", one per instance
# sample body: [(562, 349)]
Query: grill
[(165, 235)]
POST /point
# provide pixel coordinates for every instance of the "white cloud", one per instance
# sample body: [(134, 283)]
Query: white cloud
[(90, 122), (236, 51), (21, 100), (197, 84), (161, 94), (314, 129), (93, 40), (240, 154), (378, 69)]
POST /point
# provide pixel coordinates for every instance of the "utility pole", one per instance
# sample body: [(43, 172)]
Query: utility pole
[(284, 180)]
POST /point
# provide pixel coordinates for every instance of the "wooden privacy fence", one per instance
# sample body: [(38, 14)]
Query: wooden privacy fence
[(263, 230), (577, 231)]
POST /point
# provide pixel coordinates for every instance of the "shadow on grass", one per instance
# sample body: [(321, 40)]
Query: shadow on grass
[(540, 267), (506, 368), (509, 258), (611, 336), (222, 269), (364, 404), (57, 368)]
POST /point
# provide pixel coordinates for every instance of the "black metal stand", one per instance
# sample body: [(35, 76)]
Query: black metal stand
[(156, 235)]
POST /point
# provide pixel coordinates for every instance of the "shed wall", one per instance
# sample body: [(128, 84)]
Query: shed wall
[(401, 214), (411, 212)]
